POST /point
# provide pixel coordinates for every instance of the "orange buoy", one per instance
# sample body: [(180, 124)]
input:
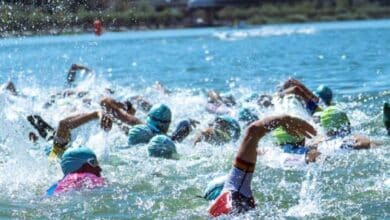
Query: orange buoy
[(98, 27)]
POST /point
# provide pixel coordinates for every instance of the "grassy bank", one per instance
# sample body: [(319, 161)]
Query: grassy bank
[(20, 19)]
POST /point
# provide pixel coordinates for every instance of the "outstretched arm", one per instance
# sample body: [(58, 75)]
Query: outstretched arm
[(296, 87), (117, 110), (72, 72), (260, 128), (66, 125)]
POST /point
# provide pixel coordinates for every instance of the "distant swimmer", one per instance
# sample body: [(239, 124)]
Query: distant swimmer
[(236, 195), (222, 130), (10, 87), (81, 171), (73, 71), (218, 104)]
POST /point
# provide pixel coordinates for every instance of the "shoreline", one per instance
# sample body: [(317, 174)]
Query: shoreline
[(79, 31)]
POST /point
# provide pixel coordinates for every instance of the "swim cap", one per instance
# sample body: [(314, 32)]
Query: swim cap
[(214, 188), (233, 126), (247, 115), (140, 134), (159, 117), (325, 93), (74, 158), (334, 120), (282, 137), (161, 146)]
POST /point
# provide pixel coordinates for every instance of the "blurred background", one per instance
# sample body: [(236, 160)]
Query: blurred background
[(27, 17)]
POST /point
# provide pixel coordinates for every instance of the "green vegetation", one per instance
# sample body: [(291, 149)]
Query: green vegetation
[(56, 16)]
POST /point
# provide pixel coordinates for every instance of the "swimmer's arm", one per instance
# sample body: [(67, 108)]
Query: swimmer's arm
[(116, 108), (72, 72), (361, 142), (293, 82), (66, 125), (260, 128)]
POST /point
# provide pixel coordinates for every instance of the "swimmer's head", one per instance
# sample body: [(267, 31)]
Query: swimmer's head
[(161, 146), (159, 117), (228, 100), (80, 159), (247, 115), (214, 188), (229, 124), (325, 93), (335, 122), (282, 137)]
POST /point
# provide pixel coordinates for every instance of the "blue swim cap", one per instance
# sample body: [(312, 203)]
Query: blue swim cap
[(233, 126), (75, 157), (247, 115), (159, 117), (214, 188), (161, 146), (140, 134), (325, 93)]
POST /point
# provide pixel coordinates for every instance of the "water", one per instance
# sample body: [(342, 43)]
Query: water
[(351, 57)]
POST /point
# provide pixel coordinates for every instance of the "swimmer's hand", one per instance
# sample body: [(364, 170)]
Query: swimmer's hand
[(183, 129), (105, 122), (76, 67), (297, 127)]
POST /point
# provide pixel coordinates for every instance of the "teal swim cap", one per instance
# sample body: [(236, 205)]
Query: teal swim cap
[(75, 157), (214, 188), (325, 93), (159, 117), (161, 146), (233, 126), (335, 121), (140, 134), (247, 115)]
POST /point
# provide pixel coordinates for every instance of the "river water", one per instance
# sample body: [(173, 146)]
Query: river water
[(353, 58)]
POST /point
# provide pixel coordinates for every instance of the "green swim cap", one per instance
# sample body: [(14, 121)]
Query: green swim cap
[(233, 126), (161, 146), (282, 137), (74, 158), (159, 117), (334, 120)]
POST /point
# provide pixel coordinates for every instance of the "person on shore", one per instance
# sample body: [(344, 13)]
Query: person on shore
[(236, 196), (222, 130), (81, 171)]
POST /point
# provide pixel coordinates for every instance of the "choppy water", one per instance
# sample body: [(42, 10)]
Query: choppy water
[(351, 57)]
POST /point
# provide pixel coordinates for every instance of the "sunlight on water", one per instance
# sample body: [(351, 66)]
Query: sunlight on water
[(341, 184)]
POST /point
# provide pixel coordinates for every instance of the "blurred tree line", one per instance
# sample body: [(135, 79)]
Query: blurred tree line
[(62, 16)]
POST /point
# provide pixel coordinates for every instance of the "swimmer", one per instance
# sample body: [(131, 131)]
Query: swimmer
[(236, 196), (157, 123), (222, 130), (72, 73), (10, 87), (81, 170), (219, 104), (337, 125), (247, 115), (294, 144)]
